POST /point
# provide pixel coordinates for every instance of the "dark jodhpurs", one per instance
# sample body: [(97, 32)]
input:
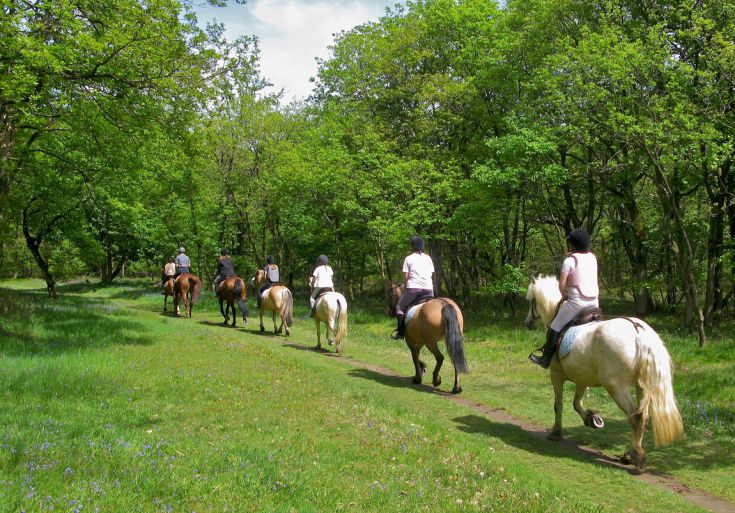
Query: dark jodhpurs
[(410, 297)]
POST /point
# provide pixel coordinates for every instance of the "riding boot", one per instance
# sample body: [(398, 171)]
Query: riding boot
[(547, 351), (400, 328)]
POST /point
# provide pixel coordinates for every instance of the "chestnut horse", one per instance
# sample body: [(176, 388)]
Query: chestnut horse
[(187, 287), (331, 309), (617, 354), (168, 290), (425, 326), (230, 290), (277, 300)]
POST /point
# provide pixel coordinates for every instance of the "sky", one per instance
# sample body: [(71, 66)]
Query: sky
[(293, 33)]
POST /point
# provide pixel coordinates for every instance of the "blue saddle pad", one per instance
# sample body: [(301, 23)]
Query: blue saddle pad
[(570, 336)]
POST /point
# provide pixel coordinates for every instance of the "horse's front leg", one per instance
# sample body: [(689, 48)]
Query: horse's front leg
[(177, 300), (165, 300), (231, 306), (557, 381), (319, 333), (260, 311), (589, 417)]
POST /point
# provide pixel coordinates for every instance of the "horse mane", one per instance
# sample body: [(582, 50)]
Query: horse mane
[(546, 291)]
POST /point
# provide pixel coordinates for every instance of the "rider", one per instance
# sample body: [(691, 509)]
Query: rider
[(320, 281), (418, 274), (225, 269), (578, 286), (272, 276), (183, 264), (169, 270)]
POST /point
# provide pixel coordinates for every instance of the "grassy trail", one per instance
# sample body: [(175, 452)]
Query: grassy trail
[(107, 405)]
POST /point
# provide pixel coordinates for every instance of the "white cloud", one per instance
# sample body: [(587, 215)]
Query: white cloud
[(293, 33)]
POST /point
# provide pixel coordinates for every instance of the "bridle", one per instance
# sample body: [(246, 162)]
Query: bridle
[(534, 311)]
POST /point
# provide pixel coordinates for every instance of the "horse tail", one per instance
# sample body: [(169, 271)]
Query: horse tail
[(454, 338), (288, 308), (196, 289), (655, 378), (239, 292), (340, 319)]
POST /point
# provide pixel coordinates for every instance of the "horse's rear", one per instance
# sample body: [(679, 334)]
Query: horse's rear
[(233, 290), (188, 287), (279, 300), (331, 309), (439, 317), (620, 354)]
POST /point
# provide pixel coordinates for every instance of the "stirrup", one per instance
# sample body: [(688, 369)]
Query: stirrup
[(539, 360), (396, 335)]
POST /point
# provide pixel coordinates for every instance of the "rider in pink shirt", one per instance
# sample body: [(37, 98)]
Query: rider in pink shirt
[(578, 287)]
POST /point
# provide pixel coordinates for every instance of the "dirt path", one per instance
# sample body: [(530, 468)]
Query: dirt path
[(698, 497)]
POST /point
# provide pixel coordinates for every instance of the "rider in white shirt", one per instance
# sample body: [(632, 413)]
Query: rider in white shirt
[(418, 274), (321, 281), (579, 289)]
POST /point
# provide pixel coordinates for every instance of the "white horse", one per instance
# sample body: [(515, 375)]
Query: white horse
[(618, 355), (331, 309)]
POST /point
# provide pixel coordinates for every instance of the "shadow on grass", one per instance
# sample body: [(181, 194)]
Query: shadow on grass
[(35, 325)]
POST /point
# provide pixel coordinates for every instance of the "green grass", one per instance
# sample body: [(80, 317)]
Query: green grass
[(109, 405)]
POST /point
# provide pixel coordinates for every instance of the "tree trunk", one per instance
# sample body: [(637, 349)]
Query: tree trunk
[(34, 245), (683, 251)]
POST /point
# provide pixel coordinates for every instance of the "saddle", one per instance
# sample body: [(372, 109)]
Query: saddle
[(591, 314), (413, 308), (323, 292)]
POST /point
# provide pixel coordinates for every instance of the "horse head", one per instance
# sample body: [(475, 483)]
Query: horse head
[(258, 278), (543, 295)]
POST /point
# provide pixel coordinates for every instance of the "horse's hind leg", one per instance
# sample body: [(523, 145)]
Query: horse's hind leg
[(231, 306), (436, 379), (260, 311), (589, 417), (624, 400), (416, 362), (222, 311), (165, 300)]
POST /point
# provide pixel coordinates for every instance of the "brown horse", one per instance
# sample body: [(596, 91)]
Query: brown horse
[(231, 290), (393, 293), (277, 300), (187, 287), (437, 318), (168, 290)]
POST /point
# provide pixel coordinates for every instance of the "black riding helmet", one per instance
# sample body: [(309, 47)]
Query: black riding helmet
[(322, 260), (223, 251), (579, 240), (417, 243), (270, 259)]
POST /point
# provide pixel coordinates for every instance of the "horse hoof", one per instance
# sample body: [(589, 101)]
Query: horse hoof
[(457, 390), (330, 342), (262, 329), (597, 422), (416, 380), (554, 437), (437, 381)]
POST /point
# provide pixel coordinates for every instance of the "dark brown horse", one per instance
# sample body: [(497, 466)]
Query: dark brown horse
[(437, 318), (187, 287), (231, 290)]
